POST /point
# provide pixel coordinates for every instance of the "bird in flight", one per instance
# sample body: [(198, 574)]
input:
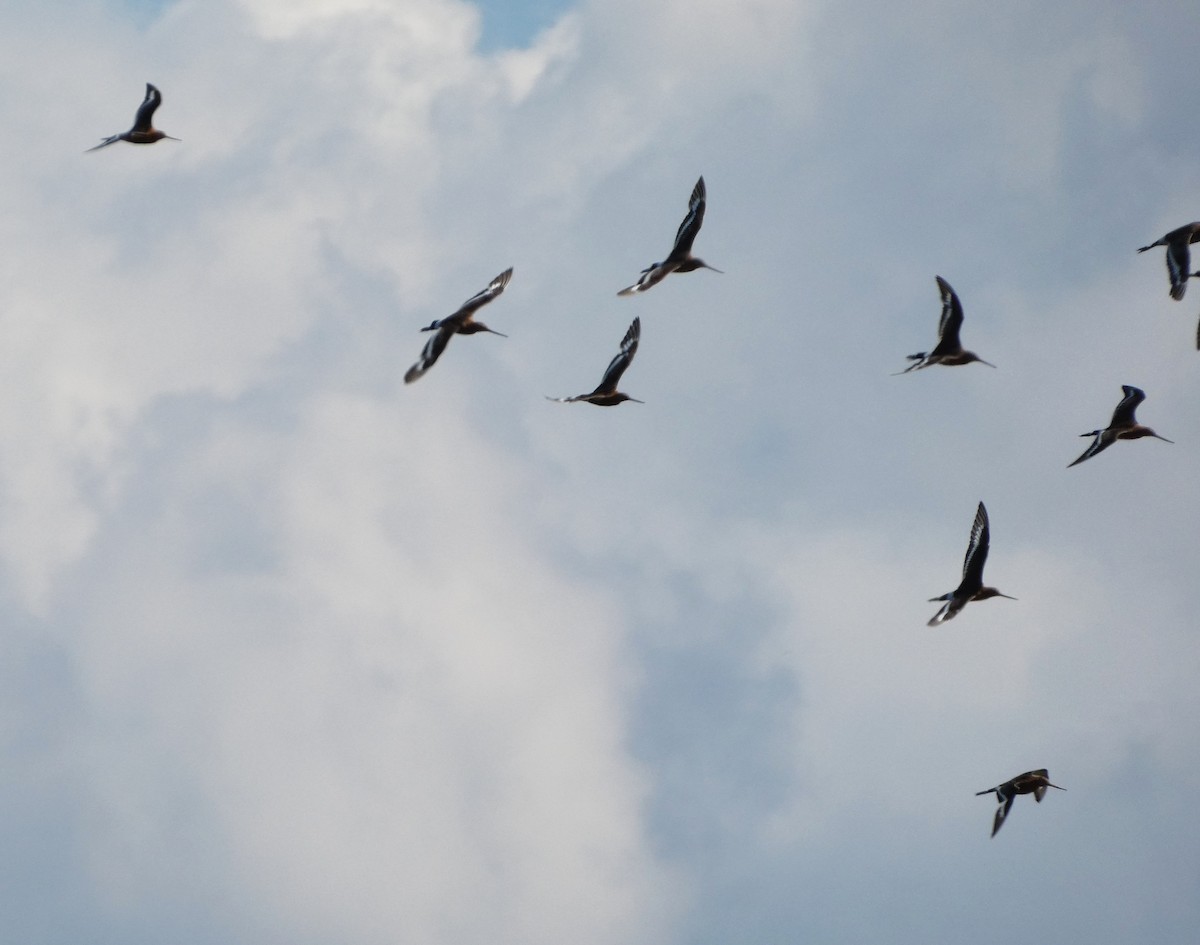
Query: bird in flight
[(142, 132), (949, 350), (1031, 782), (680, 258), (1178, 256), (461, 322), (606, 394), (972, 587), (1124, 426)]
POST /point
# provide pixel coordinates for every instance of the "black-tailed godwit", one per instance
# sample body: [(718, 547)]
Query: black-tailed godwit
[(1178, 256), (143, 131), (606, 394), (1124, 426), (949, 350), (971, 587), (1031, 782), (460, 323), (680, 258)]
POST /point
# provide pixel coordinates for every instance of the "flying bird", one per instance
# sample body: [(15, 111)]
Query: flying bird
[(1178, 256), (971, 587), (680, 258), (949, 350), (606, 394), (1031, 782), (142, 132), (461, 322), (1124, 426)]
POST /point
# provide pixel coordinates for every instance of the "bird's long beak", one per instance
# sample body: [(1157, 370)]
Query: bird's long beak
[(1163, 438), (988, 363), (500, 333)]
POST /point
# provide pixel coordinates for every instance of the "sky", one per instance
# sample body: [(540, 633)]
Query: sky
[(296, 653)]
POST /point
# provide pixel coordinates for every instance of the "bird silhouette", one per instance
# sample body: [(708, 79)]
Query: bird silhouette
[(1031, 782), (972, 587), (1124, 426), (606, 394), (462, 322), (143, 131), (949, 349), (680, 259), (1176, 243)]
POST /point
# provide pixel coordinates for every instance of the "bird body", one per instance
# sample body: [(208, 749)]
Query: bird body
[(143, 130), (680, 259), (606, 393), (1124, 426), (949, 350), (1178, 259), (972, 587), (461, 322), (1031, 782)]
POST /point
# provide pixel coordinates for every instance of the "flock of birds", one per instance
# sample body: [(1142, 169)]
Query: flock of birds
[(948, 351), (680, 259)]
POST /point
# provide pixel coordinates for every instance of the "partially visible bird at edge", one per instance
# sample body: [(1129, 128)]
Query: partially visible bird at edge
[(949, 350), (1178, 255), (1124, 426), (972, 587), (1031, 782), (680, 259), (461, 322), (143, 131), (606, 393)]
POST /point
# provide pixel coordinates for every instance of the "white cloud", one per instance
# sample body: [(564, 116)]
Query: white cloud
[(351, 660)]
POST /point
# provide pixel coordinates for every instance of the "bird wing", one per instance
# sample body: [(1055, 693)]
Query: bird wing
[(145, 113), (952, 316), (651, 276), (629, 345), (977, 549), (1177, 267), (1002, 811), (1123, 416), (430, 353), (948, 612), (111, 139), (690, 226), (480, 299), (1100, 443)]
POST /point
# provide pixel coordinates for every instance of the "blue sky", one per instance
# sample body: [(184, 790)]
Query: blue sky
[(298, 653), (504, 25)]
